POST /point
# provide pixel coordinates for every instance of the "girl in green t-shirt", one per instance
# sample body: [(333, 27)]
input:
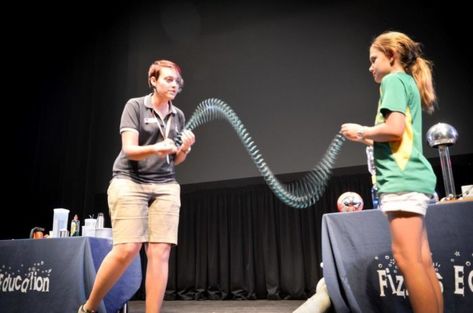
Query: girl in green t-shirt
[(404, 177)]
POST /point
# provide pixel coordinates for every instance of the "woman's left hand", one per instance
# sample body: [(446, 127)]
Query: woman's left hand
[(188, 139)]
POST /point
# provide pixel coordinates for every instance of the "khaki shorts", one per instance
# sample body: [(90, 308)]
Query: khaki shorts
[(415, 202), (144, 212)]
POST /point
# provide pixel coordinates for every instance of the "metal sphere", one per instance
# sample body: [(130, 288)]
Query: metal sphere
[(441, 134), (349, 201)]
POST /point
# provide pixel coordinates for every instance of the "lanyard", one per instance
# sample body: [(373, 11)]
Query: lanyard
[(166, 130), (167, 127)]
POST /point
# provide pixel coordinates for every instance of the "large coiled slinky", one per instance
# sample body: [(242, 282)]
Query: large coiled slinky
[(301, 193)]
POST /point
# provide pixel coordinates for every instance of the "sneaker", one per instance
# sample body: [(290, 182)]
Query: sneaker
[(83, 310)]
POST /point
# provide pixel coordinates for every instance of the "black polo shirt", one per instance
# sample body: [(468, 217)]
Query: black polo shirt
[(139, 116)]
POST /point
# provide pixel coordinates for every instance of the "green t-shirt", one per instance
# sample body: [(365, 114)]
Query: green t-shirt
[(400, 165)]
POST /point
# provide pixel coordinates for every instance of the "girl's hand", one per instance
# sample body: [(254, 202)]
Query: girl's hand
[(353, 132)]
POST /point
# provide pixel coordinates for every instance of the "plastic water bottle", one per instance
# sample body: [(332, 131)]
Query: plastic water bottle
[(372, 170), (374, 197), (99, 220)]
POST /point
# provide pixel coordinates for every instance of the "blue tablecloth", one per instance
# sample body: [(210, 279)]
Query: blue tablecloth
[(360, 271), (56, 275)]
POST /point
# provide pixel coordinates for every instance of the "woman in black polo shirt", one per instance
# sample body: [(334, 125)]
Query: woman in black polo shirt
[(144, 196)]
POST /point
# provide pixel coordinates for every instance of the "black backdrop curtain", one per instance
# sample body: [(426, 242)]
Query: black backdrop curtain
[(241, 242), (238, 241)]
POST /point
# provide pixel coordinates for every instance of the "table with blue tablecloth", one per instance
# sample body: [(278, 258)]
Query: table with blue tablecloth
[(57, 274), (360, 271)]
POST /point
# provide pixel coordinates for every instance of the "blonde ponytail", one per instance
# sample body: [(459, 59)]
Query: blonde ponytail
[(421, 70)]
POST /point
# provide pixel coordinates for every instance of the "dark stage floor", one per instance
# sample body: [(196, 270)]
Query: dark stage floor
[(222, 306)]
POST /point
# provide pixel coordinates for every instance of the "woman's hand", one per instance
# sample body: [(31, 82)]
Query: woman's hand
[(188, 139), (165, 147)]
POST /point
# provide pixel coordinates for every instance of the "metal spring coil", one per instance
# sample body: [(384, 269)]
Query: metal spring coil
[(301, 193)]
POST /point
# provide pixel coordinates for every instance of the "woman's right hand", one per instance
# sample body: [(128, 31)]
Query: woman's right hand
[(165, 147)]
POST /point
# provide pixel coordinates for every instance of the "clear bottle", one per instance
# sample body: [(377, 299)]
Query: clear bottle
[(100, 220), (372, 170), (374, 196)]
